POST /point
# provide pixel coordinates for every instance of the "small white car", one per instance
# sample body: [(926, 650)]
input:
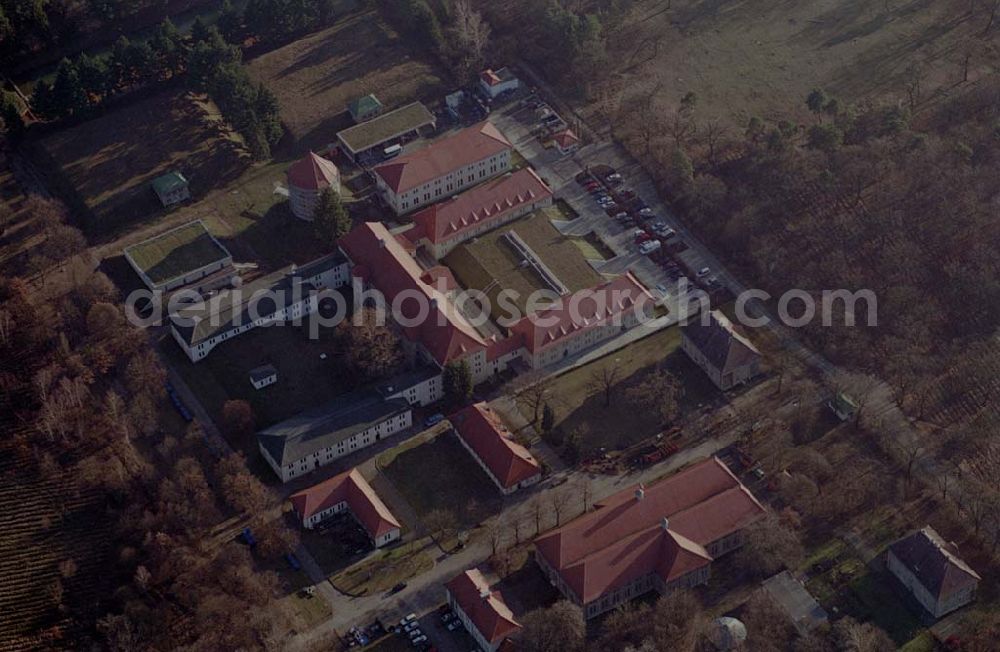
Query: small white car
[(646, 212), (703, 272), (409, 618), (412, 625), (418, 640)]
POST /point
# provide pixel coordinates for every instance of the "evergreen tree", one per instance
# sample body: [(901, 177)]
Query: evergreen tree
[(268, 113), (68, 94), (208, 57), (457, 381), (94, 75), (548, 419), (120, 72), (230, 23), (10, 113), (41, 100), (168, 46), (142, 62), (330, 218), (199, 31)]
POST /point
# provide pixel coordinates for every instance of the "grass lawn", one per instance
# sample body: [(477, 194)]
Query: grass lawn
[(490, 262), (304, 380), (578, 410), (593, 248), (106, 164), (315, 77), (874, 598), (561, 210), (303, 611), (387, 567), (438, 473)]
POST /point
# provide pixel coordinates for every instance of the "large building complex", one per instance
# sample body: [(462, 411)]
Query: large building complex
[(445, 225), (285, 296), (317, 437), (654, 538), (481, 610), (491, 443), (347, 492), (443, 168)]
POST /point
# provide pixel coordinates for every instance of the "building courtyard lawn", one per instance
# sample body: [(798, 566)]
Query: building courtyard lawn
[(386, 567), (304, 378), (579, 410), (438, 473)]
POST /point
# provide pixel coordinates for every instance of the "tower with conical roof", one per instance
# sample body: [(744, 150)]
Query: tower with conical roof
[(307, 178)]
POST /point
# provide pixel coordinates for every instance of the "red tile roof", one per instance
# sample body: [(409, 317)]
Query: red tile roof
[(451, 153), (486, 434), (313, 173), (362, 500), (624, 537), (490, 77), (484, 204), (485, 608), (382, 261), (565, 138), (582, 311)]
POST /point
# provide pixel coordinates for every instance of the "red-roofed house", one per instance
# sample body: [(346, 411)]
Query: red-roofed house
[(658, 538), (492, 444), (444, 334), (566, 141), (443, 168), (444, 226), (481, 610), (307, 178), (348, 491), (583, 319)]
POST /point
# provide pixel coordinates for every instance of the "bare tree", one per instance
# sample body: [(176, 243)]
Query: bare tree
[(471, 35), (559, 628), (533, 390), (604, 379), (558, 499)]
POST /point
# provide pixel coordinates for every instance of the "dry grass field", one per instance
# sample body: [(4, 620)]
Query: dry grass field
[(315, 77), (762, 58), (107, 164)]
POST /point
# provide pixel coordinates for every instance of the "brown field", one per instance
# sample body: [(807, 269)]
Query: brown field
[(106, 164), (762, 58), (315, 77)]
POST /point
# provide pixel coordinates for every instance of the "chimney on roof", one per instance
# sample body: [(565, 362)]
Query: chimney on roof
[(484, 593), (665, 523), (381, 243), (640, 492)]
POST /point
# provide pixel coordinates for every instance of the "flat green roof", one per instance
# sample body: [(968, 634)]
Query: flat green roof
[(386, 127), (177, 252)]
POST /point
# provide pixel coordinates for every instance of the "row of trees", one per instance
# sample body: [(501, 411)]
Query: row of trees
[(83, 84)]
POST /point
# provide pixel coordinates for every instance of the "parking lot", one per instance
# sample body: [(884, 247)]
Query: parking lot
[(633, 193), (438, 630)]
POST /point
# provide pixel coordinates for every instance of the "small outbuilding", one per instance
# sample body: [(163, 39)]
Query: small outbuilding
[(727, 633), (843, 406), (263, 376), (307, 179), (566, 141), (365, 108), (496, 82), (172, 188)]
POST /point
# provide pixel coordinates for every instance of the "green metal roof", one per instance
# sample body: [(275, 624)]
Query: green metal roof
[(169, 182), (364, 105)]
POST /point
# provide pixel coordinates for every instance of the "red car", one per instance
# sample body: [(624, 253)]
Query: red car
[(639, 239)]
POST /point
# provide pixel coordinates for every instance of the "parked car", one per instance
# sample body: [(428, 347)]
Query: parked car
[(248, 538), (646, 211), (408, 618), (703, 272), (418, 640), (293, 561), (621, 216), (433, 420), (453, 625), (649, 246), (447, 617), (614, 176), (412, 628), (399, 586)]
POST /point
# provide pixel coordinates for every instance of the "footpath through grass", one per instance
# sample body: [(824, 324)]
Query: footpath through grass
[(385, 568)]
